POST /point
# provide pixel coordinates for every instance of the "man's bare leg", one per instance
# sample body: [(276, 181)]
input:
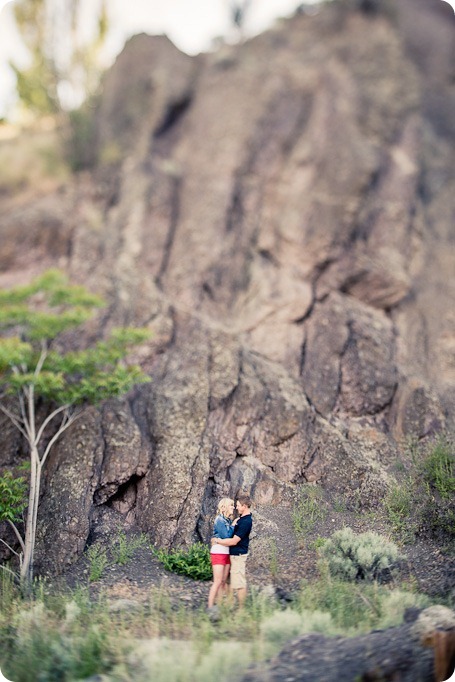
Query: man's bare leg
[(223, 592), (241, 596)]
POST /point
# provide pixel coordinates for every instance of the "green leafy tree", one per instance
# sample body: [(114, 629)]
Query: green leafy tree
[(62, 66), (35, 366)]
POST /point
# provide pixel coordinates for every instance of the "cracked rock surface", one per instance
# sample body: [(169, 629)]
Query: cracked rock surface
[(280, 215)]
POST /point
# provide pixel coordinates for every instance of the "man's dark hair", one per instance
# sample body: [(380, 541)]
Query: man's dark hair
[(243, 498)]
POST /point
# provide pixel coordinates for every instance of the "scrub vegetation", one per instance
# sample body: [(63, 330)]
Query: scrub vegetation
[(307, 511), (120, 552), (367, 556), (193, 563), (423, 502), (71, 636)]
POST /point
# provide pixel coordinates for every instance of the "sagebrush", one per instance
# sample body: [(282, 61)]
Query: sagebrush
[(366, 556)]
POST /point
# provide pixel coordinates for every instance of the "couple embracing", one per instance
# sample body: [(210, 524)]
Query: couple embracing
[(229, 548)]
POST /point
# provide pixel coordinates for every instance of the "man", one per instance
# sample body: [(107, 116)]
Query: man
[(238, 547)]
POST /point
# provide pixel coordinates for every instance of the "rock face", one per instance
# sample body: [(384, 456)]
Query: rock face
[(280, 215)]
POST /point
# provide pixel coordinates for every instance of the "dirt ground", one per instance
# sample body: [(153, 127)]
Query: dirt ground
[(279, 559)]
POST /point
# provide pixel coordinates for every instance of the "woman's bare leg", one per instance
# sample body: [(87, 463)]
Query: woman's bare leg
[(217, 582), (223, 591)]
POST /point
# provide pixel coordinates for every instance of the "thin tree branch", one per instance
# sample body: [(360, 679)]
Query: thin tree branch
[(18, 535), (31, 411), (9, 547), (42, 357), (15, 420), (49, 419), (66, 422), (25, 418)]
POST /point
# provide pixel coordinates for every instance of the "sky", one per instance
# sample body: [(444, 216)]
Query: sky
[(190, 24)]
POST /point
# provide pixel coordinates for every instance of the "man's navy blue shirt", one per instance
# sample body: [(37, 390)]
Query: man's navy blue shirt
[(242, 529)]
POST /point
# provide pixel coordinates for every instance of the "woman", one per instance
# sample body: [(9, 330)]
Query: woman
[(222, 528)]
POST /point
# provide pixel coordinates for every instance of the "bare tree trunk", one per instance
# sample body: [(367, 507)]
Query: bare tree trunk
[(26, 572), (36, 467)]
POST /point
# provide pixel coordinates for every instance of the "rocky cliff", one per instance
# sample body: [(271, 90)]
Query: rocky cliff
[(280, 214)]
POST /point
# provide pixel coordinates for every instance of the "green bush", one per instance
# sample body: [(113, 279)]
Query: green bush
[(13, 497), (194, 563), (349, 605), (424, 503), (399, 504), (439, 468), (98, 561), (355, 607), (366, 556)]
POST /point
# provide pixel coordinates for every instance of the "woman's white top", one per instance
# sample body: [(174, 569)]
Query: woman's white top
[(219, 549)]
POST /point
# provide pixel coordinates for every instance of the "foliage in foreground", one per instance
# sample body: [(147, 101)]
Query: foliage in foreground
[(194, 563), (68, 637), (50, 638)]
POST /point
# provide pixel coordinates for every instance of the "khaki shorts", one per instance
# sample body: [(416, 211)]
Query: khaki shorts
[(238, 577)]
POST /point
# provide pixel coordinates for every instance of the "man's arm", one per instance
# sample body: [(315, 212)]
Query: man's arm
[(227, 542)]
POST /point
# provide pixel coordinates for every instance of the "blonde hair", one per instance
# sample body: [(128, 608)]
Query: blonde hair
[(223, 504)]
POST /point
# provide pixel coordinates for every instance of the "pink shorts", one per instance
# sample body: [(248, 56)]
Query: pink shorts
[(220, 559)]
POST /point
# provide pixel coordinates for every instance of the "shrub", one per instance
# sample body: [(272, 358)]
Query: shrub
[(438, 518), (399, 505), (355, 607), (307, 510), (123, 548), (282, 626), (366, 556), (98, 561), (13, 497), (349, 605), (195, 563), (439, 468), (425, 503)]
